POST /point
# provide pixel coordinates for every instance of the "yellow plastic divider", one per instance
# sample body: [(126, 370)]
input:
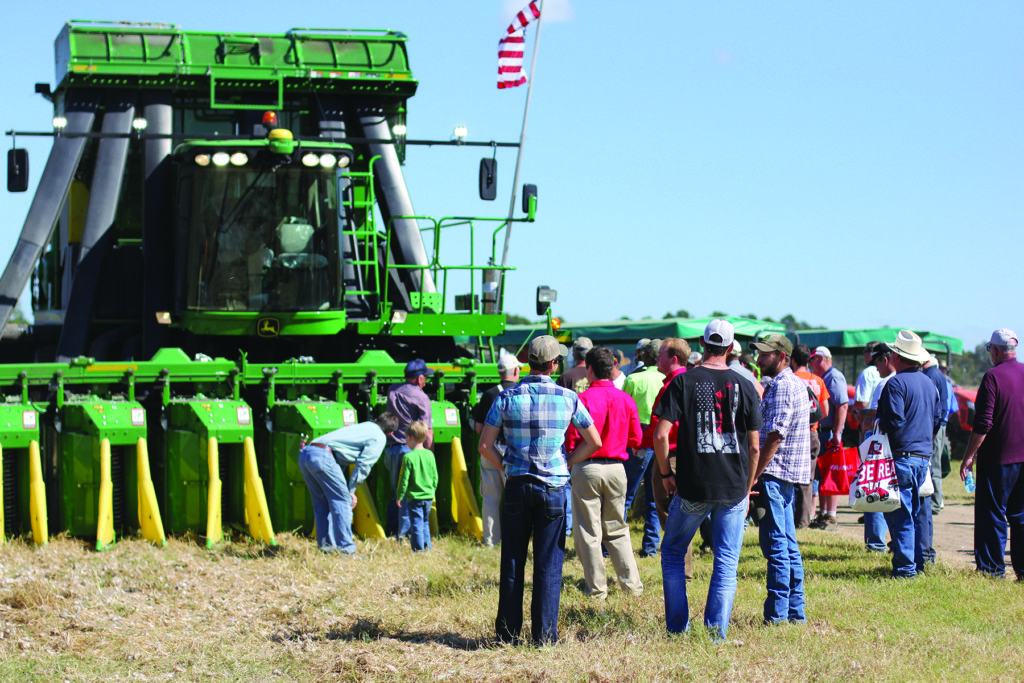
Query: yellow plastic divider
[(256, 512), (214, 525), (149, 512), (365, 520), (105, 513), (37, 495), (465, 509)]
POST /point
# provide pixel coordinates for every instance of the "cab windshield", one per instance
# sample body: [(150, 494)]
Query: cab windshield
[(263, 239)]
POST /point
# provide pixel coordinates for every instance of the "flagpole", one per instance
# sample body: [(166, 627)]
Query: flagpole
[(519, 158)]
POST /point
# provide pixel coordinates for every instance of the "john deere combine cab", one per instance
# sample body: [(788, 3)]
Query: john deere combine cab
[(224, 262)]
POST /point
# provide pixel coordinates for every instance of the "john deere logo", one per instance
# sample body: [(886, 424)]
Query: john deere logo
[(268, 327)]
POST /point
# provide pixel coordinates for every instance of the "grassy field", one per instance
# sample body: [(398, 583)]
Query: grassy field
[(247, 613)]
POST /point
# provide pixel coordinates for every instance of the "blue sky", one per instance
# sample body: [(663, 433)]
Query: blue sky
[(856, 164)]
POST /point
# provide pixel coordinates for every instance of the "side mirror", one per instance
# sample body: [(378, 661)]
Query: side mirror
[(17, 170), (530, 201), (545, 297), (488, 179)]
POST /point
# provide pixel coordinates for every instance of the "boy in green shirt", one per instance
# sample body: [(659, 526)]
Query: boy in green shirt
[(417, 484)]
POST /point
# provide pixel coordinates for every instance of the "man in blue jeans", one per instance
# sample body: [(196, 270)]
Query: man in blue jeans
[(644, 385), (906, 414), (717, 450), (534, 416), (409, 402), (321, 463), (785, 462), (998, 444)]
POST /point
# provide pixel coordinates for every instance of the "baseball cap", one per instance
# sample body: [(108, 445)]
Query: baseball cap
[(580, 347), (640, 344), (545, 348), (506, 362), (620, 358), (415, 368), (823, 352), (694, 357), (773, 342), (719, 333), (882, 350), (737, 348), (1002, 337), (652, 347)]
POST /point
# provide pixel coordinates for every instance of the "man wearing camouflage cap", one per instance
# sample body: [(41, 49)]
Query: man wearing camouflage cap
[(785, 461)]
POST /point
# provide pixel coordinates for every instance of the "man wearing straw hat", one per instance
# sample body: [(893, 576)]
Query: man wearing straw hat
[(906, 414)]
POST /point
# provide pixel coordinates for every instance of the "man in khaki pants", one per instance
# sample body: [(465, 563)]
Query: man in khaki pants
[(599, 481)]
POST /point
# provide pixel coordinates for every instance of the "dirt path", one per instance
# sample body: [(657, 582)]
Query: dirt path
[(954, 532)]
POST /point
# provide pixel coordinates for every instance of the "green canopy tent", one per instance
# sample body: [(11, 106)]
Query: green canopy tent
[(623, 334), (847, 346)]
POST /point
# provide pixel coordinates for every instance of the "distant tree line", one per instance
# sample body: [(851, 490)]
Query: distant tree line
[(969, 367)]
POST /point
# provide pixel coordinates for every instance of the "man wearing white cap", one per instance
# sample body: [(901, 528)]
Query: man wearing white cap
[(997, 444), (717, 450), (492, 479), (834, 421), (906, 414)]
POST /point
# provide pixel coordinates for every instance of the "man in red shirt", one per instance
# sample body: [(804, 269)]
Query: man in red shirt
[(599, 482), (672, 359)]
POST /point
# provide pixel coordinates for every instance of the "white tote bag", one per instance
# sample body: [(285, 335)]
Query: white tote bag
[(876, 488)]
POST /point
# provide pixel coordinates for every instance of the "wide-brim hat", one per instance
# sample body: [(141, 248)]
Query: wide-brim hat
[(908, 345)]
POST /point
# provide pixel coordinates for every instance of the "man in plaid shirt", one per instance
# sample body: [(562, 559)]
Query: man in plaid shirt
[(534, 416), (785, 462)]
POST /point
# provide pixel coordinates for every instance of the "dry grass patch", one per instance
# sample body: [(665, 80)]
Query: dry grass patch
[(242, 611)]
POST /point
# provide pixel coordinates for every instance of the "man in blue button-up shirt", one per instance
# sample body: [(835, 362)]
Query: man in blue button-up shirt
[(534, 416)]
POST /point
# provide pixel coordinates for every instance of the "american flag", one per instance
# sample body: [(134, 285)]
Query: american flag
[(510, 48)]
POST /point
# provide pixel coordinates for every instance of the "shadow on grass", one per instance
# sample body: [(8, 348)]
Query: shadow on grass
[(370, 629)]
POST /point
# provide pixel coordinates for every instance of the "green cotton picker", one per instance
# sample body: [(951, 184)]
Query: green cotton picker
[(224, 263)]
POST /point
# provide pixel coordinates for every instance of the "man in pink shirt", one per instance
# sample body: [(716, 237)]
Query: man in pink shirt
[(599, 482)]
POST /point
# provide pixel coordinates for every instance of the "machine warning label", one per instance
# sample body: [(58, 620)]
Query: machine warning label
[(243, 415), (451, 416), (138, 417), (28, 419), (348, 416)]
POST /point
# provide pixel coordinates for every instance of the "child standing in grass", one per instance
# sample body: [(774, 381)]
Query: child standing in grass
[(417, 485)]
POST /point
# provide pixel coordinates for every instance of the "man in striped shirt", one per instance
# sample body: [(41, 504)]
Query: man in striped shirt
[(534, 417), (785, 462)]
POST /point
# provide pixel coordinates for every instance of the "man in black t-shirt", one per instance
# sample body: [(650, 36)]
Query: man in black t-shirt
[(717, 449)]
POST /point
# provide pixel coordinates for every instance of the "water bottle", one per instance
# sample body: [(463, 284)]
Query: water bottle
[(969, 482)]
